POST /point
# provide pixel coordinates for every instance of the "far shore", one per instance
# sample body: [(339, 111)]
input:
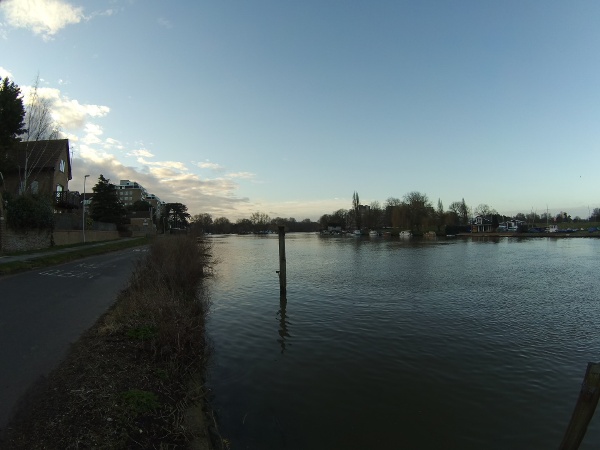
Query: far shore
[(577, 234)]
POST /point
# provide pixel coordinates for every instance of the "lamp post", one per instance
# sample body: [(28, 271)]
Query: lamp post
[(83, 208)]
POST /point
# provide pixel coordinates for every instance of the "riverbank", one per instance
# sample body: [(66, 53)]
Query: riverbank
[(135, 379), (578, 234)]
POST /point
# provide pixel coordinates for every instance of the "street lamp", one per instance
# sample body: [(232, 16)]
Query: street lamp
[(83, 209)]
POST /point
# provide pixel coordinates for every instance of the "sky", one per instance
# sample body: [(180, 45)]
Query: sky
[(289, 107)]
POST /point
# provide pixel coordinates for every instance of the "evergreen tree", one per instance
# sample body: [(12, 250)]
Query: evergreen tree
[(177, 215), (12, 113), (105, 205), (12, 121)]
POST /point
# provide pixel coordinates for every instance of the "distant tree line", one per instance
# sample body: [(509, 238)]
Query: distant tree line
[(417, 213), (257, 223)]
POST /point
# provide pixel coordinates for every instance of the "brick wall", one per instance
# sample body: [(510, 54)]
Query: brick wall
[(14, 241)]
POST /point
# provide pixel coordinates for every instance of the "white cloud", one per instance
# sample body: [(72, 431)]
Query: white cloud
[(171, 165), (112, 143), (5, 73), (211, 166), (241, 175), (42, 17), (142, 153), (68, 114)]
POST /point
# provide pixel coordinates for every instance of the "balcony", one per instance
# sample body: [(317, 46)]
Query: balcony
[(67, 200)]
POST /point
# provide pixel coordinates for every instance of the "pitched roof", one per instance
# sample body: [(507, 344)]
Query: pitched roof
[(43, 154)]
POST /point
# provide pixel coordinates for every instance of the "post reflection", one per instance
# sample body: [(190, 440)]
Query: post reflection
[(283, 322)]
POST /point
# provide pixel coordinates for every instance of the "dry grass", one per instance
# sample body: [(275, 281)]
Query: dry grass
[(132, 380)]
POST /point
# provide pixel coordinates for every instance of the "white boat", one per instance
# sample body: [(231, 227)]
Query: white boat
[(405, 234), (357, 233), (373, 233)]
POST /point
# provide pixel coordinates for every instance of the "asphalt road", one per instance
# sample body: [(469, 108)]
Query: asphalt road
[(43, 311)]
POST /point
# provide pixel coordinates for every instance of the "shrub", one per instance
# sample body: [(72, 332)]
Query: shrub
[(28, 212)]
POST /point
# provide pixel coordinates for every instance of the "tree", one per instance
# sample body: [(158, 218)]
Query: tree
[(356, 210), (222, 225), (202, 222), (259, 221), (440, 215), (139, 205), (595, 217), (12, 121), (419, 209), (389, 206), (375, 215), (12, 114), (40, 129), (177, 215), (243, 226), (484, 210), (105, 205), (461, 210)]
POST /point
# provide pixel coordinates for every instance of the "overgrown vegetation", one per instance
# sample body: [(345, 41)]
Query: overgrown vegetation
[(132, 381)]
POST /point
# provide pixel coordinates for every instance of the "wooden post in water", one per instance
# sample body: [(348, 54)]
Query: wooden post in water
[(584, 409), (282, 274)]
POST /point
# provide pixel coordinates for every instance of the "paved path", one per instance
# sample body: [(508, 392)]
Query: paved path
[(43, 311)]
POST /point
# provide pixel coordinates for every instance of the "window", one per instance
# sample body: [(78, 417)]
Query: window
[(34, 187), (61, 165)]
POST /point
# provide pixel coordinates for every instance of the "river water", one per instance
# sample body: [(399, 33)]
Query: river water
[(402, 344)]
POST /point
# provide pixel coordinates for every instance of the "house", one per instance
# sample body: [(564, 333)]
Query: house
[(481, 224), (512, 225), (40, 167)]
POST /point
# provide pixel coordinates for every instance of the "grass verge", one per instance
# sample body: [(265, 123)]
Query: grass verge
[(134, 380), (59, 255)]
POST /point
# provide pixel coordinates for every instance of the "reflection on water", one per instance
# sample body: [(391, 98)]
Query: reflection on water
[(283, 323), (446, 344)]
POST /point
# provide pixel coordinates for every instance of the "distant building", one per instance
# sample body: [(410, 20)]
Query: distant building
[(130, 192)]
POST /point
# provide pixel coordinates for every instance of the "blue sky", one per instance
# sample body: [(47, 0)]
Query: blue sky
[(289, 107)]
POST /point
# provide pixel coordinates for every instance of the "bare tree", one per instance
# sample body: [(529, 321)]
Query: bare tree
[(390, 204), (484, 210), (40, 129), (376, 214), (260, 221), (419, 209)]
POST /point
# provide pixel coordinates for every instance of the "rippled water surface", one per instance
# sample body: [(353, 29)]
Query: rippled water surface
[(393, 344)]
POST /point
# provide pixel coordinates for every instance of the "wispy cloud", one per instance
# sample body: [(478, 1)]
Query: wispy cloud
[(212, 166), (171, 165), (241, 175), (142, 153), (42, 17), (165, 23)]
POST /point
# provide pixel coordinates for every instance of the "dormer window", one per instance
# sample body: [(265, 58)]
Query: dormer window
[(61, 166)]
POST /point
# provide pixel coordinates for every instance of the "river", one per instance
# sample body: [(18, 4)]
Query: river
[(402, 344)]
